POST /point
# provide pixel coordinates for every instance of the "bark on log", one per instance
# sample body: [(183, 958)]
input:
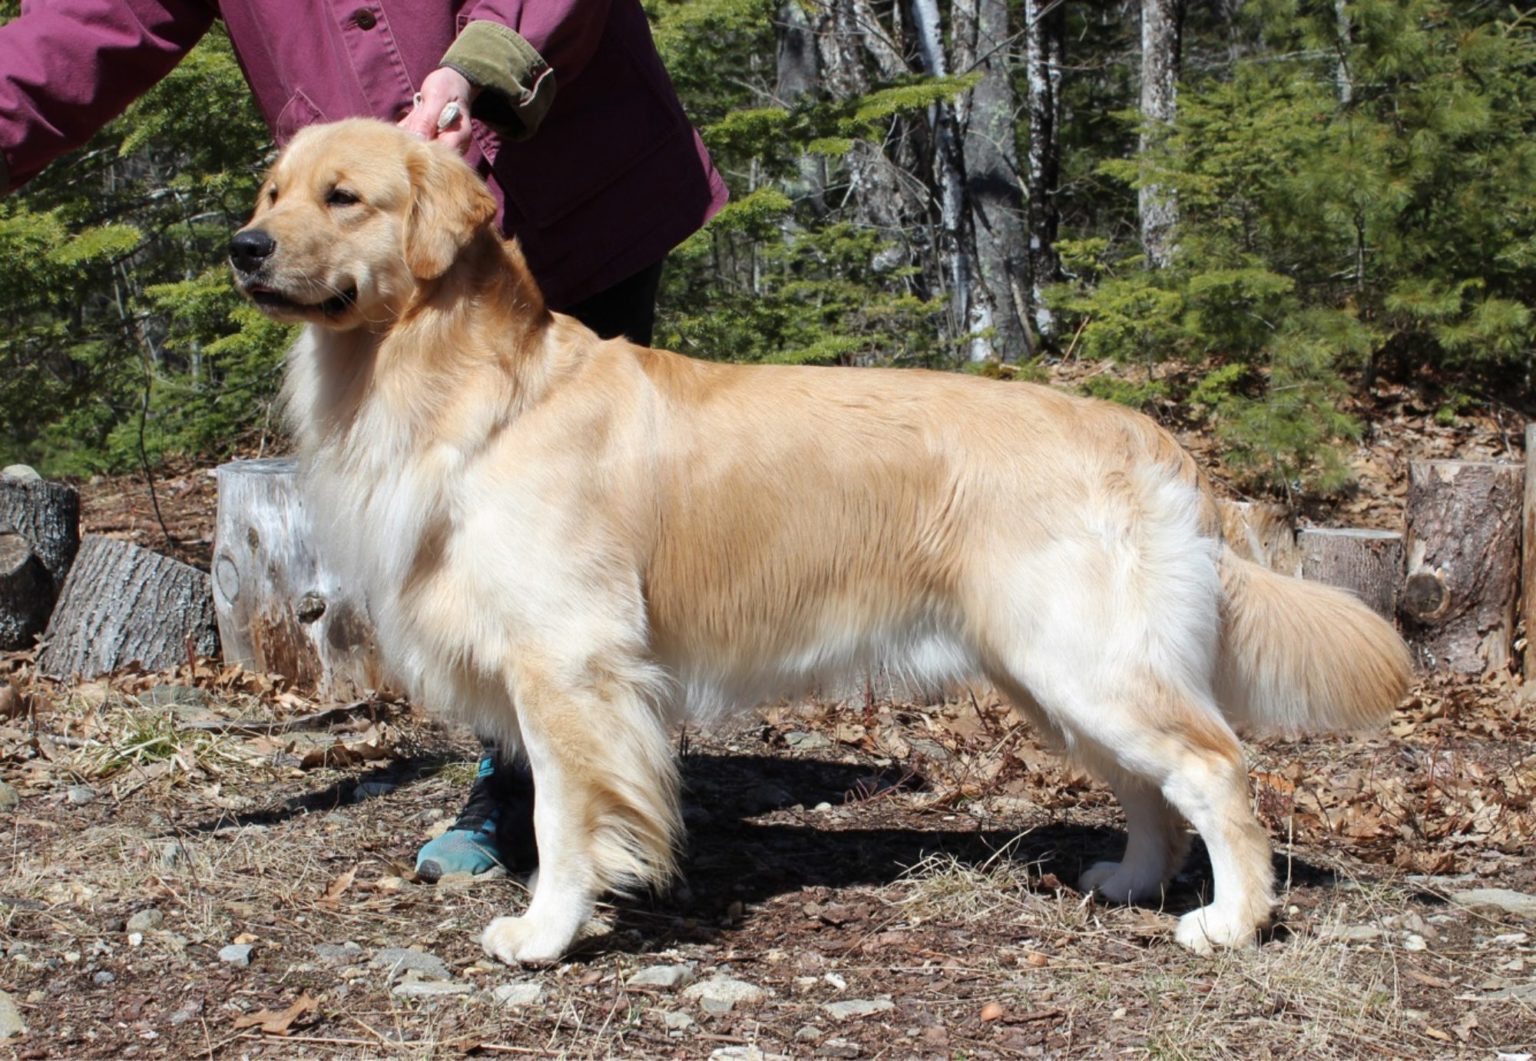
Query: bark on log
[(1261, 532), (1463, 563), (281, 609), (1368, 563), (46, 517), (1528, 554), (123, 604), (26, 593)]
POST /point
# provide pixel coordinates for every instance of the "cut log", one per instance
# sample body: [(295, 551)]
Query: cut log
[(123, 604), (281, 608), (26, 593), (1368, 563), (45, 518), (1528, 554), (1262, 532), (1463, 560)]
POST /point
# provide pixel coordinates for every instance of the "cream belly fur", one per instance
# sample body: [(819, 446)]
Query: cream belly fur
[(576, 543)]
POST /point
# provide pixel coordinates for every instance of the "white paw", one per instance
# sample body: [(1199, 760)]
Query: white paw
[(518, 941), (1119, 883), (1207, 928)]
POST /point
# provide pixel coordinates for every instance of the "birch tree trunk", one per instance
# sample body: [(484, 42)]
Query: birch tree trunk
[(1044, 35), (798, 70), (990, 154), (1161, 32), (971, 311)]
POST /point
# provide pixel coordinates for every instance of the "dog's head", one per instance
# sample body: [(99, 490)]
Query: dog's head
[(352, 218)]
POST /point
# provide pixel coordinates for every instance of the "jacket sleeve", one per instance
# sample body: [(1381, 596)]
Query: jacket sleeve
[(67, 67), (515, 50)]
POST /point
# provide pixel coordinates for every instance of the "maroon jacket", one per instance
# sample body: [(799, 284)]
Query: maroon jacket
[(612, 179)]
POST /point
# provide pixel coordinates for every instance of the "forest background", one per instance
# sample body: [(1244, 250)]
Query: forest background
[(1253, 206)]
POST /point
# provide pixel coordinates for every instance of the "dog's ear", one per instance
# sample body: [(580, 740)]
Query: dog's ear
[(449, 204)]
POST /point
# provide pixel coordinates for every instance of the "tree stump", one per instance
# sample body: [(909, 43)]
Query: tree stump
[(1262, 532), (1463, 557), (281, 609), (123, 604), (44, 517), (1368, 563)]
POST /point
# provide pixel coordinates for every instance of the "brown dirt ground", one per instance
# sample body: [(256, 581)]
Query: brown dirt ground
[(915, 856)]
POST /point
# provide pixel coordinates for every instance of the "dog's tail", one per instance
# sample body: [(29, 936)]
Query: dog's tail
[(1301, 656)]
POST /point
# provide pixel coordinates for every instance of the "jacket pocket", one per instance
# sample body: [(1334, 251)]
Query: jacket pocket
[(298, 112)]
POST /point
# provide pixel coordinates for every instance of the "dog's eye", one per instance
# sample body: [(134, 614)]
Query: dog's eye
[(340, 197), (271, 193)]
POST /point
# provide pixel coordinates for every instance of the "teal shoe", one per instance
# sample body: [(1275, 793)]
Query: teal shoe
[(469, 845)]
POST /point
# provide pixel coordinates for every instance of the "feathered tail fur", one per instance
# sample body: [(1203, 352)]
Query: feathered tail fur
[(1301, 656)]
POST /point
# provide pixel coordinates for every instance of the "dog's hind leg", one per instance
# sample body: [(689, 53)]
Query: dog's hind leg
[(605, 804), (1156, 844), (1169, 754)]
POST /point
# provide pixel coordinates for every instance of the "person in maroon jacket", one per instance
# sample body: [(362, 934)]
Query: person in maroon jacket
[(563, 106)]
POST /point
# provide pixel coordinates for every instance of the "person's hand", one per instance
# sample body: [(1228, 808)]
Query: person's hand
[(441, 89)]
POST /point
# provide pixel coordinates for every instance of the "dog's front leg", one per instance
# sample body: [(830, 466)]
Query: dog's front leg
[(605, 798)]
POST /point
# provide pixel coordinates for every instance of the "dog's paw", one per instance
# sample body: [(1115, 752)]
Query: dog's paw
[(518, 941), (1209, 927), (1119, 883)]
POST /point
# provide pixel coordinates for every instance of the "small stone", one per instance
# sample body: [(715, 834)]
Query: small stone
[(1357, 933), (400, 961), (807, 742), (836, 980), (10, 1017), (851, 1008), (372, 790), (80, 795), (237, 954), (135, 939), (807, 1033), (174, 854), (676, 1020), (515, 995), (9, 797), (992, 1011), (838, 1048), (345, 954), (1509, 901), (1414, 942), (389, 884), (431, 989), (103, 978), (822, 807), (719, 994), (20, 471), (148, 920), (664, 977)]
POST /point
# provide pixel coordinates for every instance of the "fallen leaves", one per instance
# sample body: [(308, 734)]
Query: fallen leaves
[(303, 1011)]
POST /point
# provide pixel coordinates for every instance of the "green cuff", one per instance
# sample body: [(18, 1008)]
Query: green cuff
[(516, 84)]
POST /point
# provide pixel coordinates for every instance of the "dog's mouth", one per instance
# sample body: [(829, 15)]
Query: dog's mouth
[(273, 300)]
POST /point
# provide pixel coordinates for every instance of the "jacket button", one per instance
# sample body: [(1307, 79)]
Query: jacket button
[(364, 19)]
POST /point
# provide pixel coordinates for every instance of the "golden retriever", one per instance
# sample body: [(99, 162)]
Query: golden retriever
[(575, 543)]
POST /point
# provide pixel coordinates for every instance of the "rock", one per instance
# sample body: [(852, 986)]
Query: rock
[(80, 795), (807, 742), (9, 797), (19, 471), (345, 954), (145, 921), (749, 1052), (719, 994), (1414, 942), (1504, 899), (174, 854), (400, 961), (237, 954), (515, 995), (676, 1020), (664, 977), (372, 790), (848, 1009), (10, 1017), (103, 978), (431, 989), (838, 1048)]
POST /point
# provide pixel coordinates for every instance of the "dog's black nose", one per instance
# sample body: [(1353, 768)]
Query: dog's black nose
[(250, 249)]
